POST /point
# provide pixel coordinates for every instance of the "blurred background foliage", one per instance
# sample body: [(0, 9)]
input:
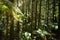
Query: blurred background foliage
[(28, 19)]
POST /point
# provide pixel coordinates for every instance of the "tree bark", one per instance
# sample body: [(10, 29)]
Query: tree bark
[(11, 27)]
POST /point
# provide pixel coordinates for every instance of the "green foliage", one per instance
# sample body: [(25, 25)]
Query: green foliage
[(13, 10), (27, 36), (30, 19), (3, 7)]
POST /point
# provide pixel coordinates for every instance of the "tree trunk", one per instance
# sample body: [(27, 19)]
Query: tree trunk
[(12, 22), (11, 27)]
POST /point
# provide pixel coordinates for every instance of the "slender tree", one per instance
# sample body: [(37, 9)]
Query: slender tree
[(39, 16), (7, 22), (12, 25)]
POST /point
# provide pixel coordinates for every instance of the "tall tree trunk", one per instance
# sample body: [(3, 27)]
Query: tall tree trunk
[(12, 25), (35, 15), (7, 19), (17, 30), (54, 9), (32, 20), (47, 15), (39, 15), (0, 30), (12, 22)]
